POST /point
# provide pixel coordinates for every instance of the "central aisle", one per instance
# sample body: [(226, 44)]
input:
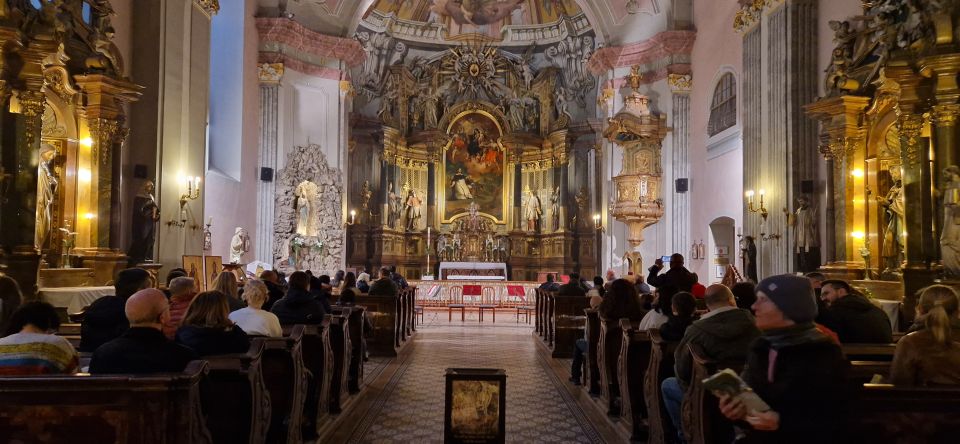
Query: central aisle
[(410, 406)]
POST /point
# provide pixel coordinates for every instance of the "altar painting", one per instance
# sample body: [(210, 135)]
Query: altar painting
[(473, 167)]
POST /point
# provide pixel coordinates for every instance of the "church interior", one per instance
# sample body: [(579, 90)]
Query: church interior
[(608, 177)]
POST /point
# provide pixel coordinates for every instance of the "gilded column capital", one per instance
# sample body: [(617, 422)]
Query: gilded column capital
[(840, 149), (104, 132), (910, 126), (210, 7), (31, 107), (680, 83), (945, 115), (270, 72)]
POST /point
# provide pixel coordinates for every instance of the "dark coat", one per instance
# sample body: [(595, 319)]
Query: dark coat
[(675, 327), (550, 286), (103, 321), (857, 321), (274, 294), (348, 296), (808, 391), (678, 278), (298, 307), (571, 289), (141, 350), (383, 287), (724, 336), (323, 297), (363, 286), (613, 308), (208, 341)]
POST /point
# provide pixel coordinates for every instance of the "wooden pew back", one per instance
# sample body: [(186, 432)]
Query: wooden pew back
[(702, 421), (592, 335), (634, 358), (235, 398), (146, 409), (567, 324), (884, 413), (318, 360), (383, 314), (660, 368), (286, 379)]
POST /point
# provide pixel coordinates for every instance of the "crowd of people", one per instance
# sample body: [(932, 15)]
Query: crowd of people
[(788, 330), (146, 330)]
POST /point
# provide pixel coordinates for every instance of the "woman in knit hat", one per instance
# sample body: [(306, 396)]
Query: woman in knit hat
[(795, 368)]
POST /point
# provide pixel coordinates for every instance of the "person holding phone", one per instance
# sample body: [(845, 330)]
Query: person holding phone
[(678, 277), (794, 368)]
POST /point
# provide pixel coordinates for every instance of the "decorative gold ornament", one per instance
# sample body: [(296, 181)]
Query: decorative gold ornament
[(910, 126), (635, 78), (270, 72), (945, 115), (104, 133), (31, 107), (680, 83), (210, 7)]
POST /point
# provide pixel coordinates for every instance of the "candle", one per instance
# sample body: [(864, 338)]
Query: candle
[(183, 214), (210, 221)]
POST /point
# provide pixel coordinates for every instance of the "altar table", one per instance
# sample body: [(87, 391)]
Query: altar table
[(500, 293), (73, 298), (463, 277), (473, 269)]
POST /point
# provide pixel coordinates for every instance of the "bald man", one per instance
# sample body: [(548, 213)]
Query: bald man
[(143, 348)]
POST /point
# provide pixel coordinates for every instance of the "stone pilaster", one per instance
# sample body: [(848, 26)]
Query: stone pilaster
[(752, 141), (680, 85), (270, 75)]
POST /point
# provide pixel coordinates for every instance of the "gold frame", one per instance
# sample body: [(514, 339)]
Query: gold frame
[(442, 205)]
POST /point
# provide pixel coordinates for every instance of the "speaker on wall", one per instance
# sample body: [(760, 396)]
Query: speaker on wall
[(683, 185), (806, 186), (266, 174)]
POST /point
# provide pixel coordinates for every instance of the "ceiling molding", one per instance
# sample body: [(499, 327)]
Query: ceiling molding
[(291, 35), (665, 45)]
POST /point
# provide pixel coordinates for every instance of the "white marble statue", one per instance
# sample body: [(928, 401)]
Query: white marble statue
[(239, 245), (303, 213), (532, 211)]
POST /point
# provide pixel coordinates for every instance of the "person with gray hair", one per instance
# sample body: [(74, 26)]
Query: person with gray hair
[(182, 291), (252, 318), (142, 348)]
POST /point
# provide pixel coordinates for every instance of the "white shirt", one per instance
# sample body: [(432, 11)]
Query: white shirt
[(255, 321), (653, 319)]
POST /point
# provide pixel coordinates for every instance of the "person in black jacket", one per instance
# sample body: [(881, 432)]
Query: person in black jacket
[(852, 316), (797, 370), (299, 306), (573, 287), (683, 305), (275, 292), (621, 301), (142, 348), (207, 329), (550, 284), (678, 277), (321, 291), (384, 286), (104, 319)]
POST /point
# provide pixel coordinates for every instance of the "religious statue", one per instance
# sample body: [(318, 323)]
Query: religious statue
[(460, 186), (532, 211), (748, 251), (457, 244), (303, 212), (239, 245), (393, 204), (583, 201), (893, 202), (950, 238), (413, 210), (489, 248), (47, 191), (442, 247), (365, 195), (146, 213), (503, 248), (69, 242), (555, 208), (430, 105), (563, 104), (805, 234)]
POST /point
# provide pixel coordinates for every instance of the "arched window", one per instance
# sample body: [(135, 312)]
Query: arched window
[(723, 109)]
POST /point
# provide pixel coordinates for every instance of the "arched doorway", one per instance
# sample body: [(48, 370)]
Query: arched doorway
[(722, 248)]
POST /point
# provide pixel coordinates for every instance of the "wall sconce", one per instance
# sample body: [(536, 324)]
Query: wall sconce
[(597, 223), (353, 218), (193, 193), (86, 142), (756, 209)]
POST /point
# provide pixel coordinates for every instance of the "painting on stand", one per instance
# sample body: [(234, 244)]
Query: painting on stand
[(473, 167)]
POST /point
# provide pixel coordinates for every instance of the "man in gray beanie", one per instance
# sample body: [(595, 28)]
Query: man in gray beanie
[(795, 368)]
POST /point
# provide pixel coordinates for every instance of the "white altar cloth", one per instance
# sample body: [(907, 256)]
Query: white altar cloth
[(73, 298), (463, 277), (474, 269)]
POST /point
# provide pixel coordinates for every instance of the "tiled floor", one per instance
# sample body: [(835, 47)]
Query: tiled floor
[(409, 408)]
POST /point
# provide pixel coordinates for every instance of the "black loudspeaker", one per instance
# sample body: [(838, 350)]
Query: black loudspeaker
[(140, 171), (806, 186), (266, 174), (683, 185)]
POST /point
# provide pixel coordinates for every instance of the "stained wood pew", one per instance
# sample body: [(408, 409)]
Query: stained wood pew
[(700, 412), (869, 352), (286, 378), (634, 358), (539, 300), (608, 355), (143, 409), (358, 347), (567, 324), (592, 335), (660, 368), (318, 360), (342, 350), (383, 314), (236, 402), (884, 413)]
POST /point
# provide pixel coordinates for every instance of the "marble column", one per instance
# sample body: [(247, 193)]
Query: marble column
[(680, 86), (270, 75), (751, 115)]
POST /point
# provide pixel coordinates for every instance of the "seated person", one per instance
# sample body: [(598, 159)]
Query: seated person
[(621, 302), (550, 284), (398, 278), (723, 333), (573, 287), (10, 299), (274, 289), (384, 286), (182, 290), (683, 307), (797, 370), (252, 319), (745, 294), (321, 290), (596, 293), (661, 310), (226, 283), (348, 290), (104, 319), (298, 306), (31, 346), (852, 316), (930, 357), (207, 328), (173, 274), (698, 290), (363, 282), (142, 348)]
